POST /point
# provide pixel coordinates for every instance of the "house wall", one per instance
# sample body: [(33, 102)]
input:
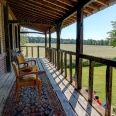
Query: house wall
[(2, 40), (2, 47)]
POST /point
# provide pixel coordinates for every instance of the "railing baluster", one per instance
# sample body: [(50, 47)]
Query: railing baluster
[(26, 51), (55, 57), (61, 62), (90, 83), (65, 62), (70, 68), (38, 51), (32, 52), (108, 90)]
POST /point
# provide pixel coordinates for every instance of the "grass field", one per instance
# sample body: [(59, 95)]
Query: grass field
[(99, 72)]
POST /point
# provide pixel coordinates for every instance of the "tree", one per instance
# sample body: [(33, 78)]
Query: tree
[(112, 35), (23, 37)]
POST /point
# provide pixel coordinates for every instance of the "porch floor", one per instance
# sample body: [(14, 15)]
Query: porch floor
[(73, 103)]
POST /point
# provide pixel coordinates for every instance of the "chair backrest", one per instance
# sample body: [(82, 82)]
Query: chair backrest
[(20, 59), (15, 69)]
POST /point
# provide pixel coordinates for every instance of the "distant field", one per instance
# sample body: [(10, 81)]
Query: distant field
[(100, 51)]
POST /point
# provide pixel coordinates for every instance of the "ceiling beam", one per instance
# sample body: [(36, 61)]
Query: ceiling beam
[(30, 21), (31, 32), (73, 10)]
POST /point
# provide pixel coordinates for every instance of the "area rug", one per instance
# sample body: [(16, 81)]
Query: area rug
[(30, 104)]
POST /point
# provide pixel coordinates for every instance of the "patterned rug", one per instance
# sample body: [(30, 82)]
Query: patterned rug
[(30, 104)]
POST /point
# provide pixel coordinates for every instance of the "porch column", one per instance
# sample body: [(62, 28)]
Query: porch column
[(16, 37), (79, 45), (58, 32), (19, 36), (7, 39), (49, 44), (45, 44)]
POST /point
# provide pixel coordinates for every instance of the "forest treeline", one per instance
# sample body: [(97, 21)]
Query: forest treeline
[(67, 41)]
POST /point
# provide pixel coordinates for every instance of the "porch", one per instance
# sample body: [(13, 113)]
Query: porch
[(73, 102)]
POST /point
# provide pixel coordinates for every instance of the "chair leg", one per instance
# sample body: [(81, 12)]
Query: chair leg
[(17, 94), (39, 89), (16, 90)]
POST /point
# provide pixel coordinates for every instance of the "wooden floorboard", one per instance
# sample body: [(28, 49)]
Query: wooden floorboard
[(73, 103), (68, 90), (67, 108)]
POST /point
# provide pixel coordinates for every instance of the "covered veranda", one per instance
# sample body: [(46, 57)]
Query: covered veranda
[(47, 17)]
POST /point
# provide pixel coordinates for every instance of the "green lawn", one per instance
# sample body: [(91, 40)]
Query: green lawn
[(99, 82)]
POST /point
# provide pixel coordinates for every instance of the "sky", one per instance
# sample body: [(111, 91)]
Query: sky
[(96, 26)]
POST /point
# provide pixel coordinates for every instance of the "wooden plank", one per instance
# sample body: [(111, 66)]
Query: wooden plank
[(6, 86), (68, 110), (2, 81), (72, 100)]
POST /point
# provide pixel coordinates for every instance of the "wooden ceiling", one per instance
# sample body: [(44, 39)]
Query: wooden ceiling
[(39, 15)]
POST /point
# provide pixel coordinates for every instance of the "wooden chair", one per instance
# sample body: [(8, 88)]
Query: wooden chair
[(21, 60), (26, 79)]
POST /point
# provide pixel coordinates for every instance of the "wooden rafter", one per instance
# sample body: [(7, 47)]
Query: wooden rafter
[(56, 3), (102, 2), (49, 6), (23, 6)]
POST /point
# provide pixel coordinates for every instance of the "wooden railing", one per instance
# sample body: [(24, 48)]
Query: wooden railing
[(29, 51), (51, 54)]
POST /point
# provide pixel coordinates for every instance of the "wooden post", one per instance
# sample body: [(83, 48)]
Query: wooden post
[(90, 85), (79, 45), (7, 39), (16, 37), (49, 44), (70, 68), (108, 90), (10, 36), (45, 44), (58, 32), (38, 51), (19, 37)]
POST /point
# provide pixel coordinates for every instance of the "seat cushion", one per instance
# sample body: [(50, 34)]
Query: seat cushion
[(27, 78)]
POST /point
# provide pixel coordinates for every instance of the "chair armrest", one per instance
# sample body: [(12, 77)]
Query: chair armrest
[(25, 63), (31, 61), (27, 73), (25, 68)]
